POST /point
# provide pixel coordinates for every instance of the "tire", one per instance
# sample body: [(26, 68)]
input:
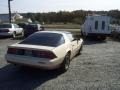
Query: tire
[(103, 38), (14, 35), (22, 34), (66, 63)]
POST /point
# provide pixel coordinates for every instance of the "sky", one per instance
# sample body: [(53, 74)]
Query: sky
[(23, 6)]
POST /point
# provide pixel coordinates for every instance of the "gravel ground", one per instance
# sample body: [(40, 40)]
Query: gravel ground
[(97, 68)]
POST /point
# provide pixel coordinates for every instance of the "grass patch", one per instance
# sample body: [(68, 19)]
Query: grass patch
[(62, 26), (75, 32), (73, 28)]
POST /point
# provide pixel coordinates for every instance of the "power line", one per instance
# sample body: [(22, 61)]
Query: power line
[(9, 8)]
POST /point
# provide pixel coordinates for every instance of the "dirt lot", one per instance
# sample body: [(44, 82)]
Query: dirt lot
[(97, 68)]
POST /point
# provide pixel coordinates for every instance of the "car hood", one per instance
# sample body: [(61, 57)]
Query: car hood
[(31, 47)]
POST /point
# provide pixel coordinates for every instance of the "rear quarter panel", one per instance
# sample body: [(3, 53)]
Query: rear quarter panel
[(80, 43), (62, 50)]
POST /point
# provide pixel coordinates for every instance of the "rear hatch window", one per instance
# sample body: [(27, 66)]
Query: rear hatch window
[(45, 39)]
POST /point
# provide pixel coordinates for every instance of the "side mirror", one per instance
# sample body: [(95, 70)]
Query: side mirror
[(76, 39)]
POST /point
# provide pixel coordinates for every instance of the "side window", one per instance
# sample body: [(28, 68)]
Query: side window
[(96, 25), (61, 41), (103, 25), (16, 26), (70, 37), (10, 26)]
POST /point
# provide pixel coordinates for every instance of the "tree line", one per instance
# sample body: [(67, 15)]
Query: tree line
[(77, 17)]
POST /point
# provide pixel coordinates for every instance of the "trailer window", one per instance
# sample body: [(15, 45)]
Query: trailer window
[(96, 25), (103, 25)]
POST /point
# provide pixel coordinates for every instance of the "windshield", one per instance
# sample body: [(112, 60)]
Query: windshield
[(5, 26), (45, 39)]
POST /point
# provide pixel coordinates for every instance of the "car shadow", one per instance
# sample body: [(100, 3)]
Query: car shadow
[(14, 77), (4, 37), (91, 41)]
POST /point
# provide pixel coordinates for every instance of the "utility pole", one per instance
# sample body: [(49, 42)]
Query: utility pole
[(9, 8)]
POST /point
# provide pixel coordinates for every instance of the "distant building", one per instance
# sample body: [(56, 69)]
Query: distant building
[(16, 16), (29, 20), (5, 17)]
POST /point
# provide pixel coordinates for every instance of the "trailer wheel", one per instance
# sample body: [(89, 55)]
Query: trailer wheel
[(103, 38), (14, 35)]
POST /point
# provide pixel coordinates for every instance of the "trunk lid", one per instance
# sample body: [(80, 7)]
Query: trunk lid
[(31, 47)]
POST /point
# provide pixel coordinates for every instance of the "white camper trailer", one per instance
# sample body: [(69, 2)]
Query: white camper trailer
[(96, 26)]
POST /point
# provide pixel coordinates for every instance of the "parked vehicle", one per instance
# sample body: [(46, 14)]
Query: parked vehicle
[(23, 25), (45, 49), (115, 31), (96, 26), (8, 29), (32, 28)]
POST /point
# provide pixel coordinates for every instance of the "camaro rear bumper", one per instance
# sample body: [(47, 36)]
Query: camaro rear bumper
[(34, 62)]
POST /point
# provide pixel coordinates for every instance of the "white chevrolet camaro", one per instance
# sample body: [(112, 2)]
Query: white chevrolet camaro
[(45, 49)]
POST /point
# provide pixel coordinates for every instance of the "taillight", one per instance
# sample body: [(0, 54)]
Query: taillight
[(15, 51), (44, 54), (5, 30), (12, 50)]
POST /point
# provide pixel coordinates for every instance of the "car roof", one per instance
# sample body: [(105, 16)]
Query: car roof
[(59, 32)]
